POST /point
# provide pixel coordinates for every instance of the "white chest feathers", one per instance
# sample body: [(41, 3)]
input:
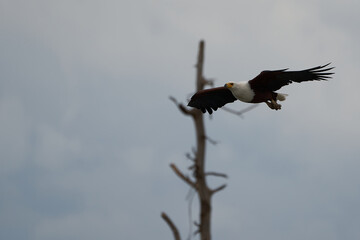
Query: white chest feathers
[(242, 91)]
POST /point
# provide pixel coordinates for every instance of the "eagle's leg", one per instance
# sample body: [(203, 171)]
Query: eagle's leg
[(273, 104)]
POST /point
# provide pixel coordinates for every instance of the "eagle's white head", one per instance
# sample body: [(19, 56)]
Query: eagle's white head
[(241, 91)]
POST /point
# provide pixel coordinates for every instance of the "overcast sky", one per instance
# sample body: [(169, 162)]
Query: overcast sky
[(88, 131)]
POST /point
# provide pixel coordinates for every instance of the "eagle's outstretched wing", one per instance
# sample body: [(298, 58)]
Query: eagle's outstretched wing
[(211, 99), (274, 80)]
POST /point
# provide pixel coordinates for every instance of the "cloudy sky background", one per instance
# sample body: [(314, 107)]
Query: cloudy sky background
[(88, 132)]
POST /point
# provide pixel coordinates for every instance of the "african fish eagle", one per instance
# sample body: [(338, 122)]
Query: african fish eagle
[(260, 89)]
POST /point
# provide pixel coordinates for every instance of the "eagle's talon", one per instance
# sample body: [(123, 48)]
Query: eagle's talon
[(275, 105), (270, 105)]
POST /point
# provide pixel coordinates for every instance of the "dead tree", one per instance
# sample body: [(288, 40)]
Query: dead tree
[(198, 181), (199, 184)]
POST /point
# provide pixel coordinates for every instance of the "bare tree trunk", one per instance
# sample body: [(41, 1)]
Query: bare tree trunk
[(199, 183), (203, 190)]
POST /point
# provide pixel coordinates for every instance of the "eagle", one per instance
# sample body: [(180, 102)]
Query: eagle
[(260, 89)]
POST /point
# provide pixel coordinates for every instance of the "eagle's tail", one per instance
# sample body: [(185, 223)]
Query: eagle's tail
[(281, 96)]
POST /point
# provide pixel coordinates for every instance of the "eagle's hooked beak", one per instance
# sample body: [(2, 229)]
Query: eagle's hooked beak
[(228, 85)]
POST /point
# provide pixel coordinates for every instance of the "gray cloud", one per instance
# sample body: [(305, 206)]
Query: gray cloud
[(88, 130)]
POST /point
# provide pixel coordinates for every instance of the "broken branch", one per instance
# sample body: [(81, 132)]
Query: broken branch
[(171, 225), (212, 141), (182, 176), (182, 108), (241, 112), (218, 189), (216, 174)]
